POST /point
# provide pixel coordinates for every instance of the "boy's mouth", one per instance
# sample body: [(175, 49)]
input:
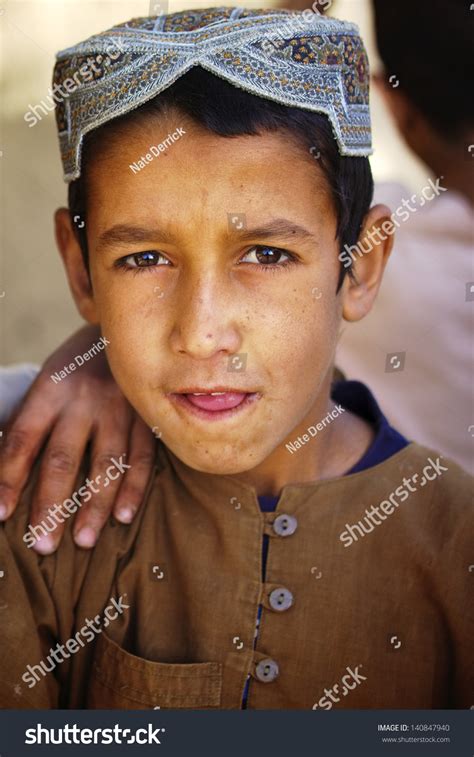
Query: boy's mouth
[(213, 404)]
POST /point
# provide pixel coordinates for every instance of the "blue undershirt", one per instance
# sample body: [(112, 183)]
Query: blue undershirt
[(358, 399)]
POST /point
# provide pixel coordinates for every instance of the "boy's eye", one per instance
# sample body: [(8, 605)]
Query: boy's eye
[(263, 255), (143, 260)]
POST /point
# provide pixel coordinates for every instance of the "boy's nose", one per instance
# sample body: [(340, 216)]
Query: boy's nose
[(205, 320)]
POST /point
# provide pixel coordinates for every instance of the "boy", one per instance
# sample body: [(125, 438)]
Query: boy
[(276, 502)]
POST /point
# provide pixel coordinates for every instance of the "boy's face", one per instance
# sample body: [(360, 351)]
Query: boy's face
[(206, 315)]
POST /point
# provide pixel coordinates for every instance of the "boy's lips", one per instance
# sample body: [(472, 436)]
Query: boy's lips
[(215, 403)]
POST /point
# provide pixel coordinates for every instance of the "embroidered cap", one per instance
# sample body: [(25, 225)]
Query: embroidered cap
[(303, 60)]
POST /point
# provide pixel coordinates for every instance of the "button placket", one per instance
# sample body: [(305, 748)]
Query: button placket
[(275, 597)]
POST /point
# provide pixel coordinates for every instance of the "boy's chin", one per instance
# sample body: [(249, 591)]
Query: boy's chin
[(218, 464)]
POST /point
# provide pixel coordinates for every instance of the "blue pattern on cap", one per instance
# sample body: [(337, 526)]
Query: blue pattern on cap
[(302, 60)]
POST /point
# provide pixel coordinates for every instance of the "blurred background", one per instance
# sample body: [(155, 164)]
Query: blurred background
[(36, 309)]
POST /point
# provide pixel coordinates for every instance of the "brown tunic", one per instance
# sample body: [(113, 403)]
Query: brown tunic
[(387, 619)]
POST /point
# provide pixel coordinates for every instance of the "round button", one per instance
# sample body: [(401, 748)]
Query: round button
[(280, 599), (267, 670), (285, 525)]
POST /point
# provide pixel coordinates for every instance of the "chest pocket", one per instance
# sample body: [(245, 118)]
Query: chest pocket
[(121, 680)]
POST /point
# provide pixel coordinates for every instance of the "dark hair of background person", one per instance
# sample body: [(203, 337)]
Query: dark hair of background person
[(229, 111), (427, 45)]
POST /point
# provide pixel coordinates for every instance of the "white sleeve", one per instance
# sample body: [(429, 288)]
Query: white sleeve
[(15, 380)]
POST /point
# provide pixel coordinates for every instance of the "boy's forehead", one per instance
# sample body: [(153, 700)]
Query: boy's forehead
[(266, 172), (301, 60)]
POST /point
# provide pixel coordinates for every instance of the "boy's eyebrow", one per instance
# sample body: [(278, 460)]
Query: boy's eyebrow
[(280, 227), (127, 234)]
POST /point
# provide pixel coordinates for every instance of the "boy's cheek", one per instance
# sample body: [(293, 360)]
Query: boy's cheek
[(290, 338), (136, 372), (133, 352)]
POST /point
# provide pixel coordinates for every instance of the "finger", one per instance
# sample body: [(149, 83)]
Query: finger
[(21, 443), (134, 482), (109, 456), (60, 464)]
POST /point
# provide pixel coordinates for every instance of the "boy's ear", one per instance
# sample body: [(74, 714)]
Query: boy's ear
[(77, 274), (370, 257)]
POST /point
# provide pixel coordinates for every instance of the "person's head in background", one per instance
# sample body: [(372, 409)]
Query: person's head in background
[(427, 47)]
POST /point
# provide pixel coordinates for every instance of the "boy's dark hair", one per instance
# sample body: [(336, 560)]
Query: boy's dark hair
[(229, 111), (428, 47)]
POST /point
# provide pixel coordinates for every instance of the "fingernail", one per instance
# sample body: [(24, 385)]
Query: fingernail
[(3, 512), (86, 537), (44, 545), (125, 515)]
